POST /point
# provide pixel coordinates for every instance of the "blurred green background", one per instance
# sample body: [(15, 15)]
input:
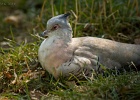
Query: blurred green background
[(21, 22), (118, 20)]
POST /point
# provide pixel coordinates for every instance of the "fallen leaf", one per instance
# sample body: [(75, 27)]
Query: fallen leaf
[(7, 74), (137, 41)]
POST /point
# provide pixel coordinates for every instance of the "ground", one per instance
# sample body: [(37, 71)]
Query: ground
[(21, 75)]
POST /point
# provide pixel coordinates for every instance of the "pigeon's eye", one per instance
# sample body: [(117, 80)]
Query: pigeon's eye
[(55, 27)]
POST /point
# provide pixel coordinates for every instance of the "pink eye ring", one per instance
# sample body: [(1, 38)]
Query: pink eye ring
[(55, 27)]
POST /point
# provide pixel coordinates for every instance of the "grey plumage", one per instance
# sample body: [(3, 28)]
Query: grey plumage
[(60, 54)]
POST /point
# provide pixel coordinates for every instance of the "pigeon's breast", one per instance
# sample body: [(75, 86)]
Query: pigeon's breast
[(53, 53)]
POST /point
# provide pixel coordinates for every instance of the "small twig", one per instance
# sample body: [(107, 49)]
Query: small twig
[(15, 80), (75, 23)]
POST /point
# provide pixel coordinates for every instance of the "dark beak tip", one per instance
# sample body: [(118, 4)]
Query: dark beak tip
[(42, 34)]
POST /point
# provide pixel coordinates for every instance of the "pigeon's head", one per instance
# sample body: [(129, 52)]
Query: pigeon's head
[(58, 25)]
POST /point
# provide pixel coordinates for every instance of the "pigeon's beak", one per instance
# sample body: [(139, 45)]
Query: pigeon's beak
[(45, 33)]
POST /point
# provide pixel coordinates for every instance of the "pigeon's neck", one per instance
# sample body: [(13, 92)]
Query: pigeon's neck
[(65, 35)]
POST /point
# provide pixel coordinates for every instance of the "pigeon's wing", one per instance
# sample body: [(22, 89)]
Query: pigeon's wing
[(97, 54), (82, 63), (113, 54)]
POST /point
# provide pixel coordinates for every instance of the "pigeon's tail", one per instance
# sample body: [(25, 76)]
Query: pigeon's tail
[(133, 52)]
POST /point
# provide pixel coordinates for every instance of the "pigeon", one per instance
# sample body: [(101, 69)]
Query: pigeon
[(64, 56)]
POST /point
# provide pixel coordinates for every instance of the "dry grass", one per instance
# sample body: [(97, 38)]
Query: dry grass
[(21, 76)]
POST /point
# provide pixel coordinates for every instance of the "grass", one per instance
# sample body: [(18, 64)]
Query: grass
[(21, 77)]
